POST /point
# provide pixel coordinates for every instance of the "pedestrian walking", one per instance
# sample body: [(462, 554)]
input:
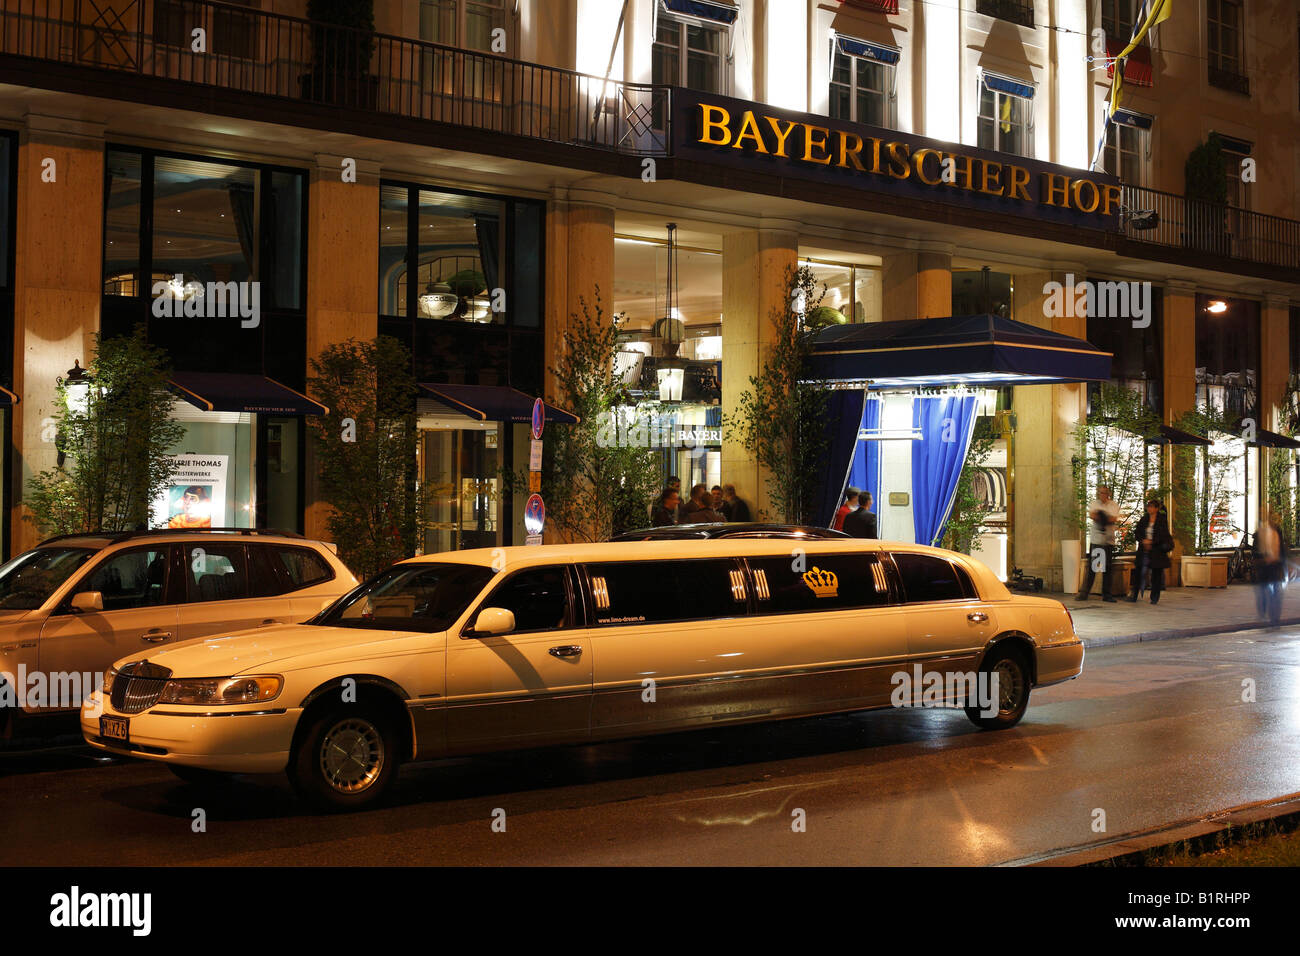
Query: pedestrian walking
[(1270, 567), (850, 504), (1154, 542), (1103, 519), (861, 522)]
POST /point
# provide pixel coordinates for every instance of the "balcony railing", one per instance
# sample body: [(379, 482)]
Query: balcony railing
[(269, 54), (1168, 219), (1014, 11), (1230, 80)]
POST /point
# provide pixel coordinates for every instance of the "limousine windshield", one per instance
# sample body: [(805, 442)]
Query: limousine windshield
[(410, 597)]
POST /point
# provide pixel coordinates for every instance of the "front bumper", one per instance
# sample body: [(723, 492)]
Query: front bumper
[(1058, 663), (256, 740)]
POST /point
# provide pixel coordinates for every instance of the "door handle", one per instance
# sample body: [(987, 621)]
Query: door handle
[(566, 650), (979, 617), (270, 620), (155, 636)]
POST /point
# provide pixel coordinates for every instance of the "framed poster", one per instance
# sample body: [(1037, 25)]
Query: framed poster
[(196, 497)]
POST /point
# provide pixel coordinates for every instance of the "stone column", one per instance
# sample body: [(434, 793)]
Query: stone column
[(755, 263), (1274, 369), (579, 267), (1178, 392), (58, 285), (918, 284), (342, 294)]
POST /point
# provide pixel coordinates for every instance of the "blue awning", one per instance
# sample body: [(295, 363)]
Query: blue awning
[(495, 403), (867, 50), (703, 10), (235, 392), (1131, 118), (977, 350), (1004, 84)]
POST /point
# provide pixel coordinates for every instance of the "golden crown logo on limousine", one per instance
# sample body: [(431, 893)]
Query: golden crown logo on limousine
[(806, 143), (824, 584)]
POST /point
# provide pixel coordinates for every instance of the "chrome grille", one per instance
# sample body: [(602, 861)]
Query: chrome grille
[(138, 686)]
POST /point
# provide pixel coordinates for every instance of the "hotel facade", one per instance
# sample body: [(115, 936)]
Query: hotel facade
[(484, 168)]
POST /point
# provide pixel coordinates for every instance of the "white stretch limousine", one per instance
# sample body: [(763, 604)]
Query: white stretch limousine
[(517, 647)]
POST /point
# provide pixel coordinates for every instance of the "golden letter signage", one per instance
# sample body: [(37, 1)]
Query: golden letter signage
[(799, 146)]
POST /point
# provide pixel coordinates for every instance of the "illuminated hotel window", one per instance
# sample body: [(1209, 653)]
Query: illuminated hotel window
[(1125, 155), (691, 52), (1117, 18), (1006, 115), (467, 23), (862, 82)]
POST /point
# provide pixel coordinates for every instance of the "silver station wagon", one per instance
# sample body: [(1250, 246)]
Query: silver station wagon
[(484, 650)]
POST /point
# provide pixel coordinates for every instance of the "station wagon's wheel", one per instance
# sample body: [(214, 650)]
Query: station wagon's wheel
[(1012, 671), (200, 777), (346, 759)]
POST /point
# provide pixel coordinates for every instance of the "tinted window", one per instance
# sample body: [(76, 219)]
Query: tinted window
[(410, 597), (216, 572), (303, 566), (539, 599), (927, 578), (29, 579), (263, 581), (130, 579), (648, 591), (819, 582)]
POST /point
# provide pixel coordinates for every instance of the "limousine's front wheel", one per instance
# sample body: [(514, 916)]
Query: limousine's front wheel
[(1011, 669), (345, 759)]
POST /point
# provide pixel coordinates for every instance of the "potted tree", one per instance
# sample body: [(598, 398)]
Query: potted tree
[(1207, 197), (342, 41)]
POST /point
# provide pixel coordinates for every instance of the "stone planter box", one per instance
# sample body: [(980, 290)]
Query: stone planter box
[(1205, 571)]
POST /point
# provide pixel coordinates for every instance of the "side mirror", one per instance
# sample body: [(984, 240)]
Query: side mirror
[(87, 601), (494, 620)]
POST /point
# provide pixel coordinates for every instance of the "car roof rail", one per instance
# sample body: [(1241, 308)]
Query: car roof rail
[(118, 536)]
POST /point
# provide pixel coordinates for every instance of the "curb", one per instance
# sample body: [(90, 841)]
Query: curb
[(1173, 633), (1211, 832)]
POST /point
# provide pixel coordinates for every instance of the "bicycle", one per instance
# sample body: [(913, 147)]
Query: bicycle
[(1241, 563)]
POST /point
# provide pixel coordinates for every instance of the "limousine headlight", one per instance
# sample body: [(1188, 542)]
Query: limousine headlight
[(222, 690)]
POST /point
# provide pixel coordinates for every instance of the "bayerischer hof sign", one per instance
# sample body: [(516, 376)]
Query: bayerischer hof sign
[(746, 135)]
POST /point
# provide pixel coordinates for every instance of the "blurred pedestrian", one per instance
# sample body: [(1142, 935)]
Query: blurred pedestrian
[(666, 512), (861, 522), (699, 509), (1270, 567), (1103, 518), (850, 504), (739, 509), (1154, 542)]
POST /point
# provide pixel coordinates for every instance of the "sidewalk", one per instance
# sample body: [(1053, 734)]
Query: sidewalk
[(1182, 612)]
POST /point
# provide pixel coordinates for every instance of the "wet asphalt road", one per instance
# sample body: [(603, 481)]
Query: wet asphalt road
[(1150, 734)]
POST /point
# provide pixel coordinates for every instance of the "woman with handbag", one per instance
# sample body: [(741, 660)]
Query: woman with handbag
[(1154, 542)]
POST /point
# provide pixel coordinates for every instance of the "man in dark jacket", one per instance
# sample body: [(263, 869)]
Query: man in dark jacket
[(698, 510), (739, 510), (666, 512), (862, 522), (1154, 542)]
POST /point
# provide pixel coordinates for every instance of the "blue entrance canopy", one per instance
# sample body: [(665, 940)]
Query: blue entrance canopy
[(978, 350), (236, 392), (495, 403)]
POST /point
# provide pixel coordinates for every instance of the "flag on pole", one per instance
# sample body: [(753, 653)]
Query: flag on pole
[(1150, 12)]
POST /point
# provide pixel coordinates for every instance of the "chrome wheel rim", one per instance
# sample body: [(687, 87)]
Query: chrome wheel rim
[(352, 755), (1011, 685)]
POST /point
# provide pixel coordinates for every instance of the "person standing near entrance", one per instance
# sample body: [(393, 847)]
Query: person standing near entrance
[(666, 513), (1103, 518), (1270, 567), (862, 522), (1154, 542), (739, 510), (850, 505)]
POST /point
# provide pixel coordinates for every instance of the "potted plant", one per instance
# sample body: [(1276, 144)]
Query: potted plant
[(343, 41), (1207, 197), (1207, 496)]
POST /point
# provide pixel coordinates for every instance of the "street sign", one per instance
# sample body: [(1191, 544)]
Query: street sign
[(539, 418), (533, 539), (534, 515), (534, 482), (535, 455)]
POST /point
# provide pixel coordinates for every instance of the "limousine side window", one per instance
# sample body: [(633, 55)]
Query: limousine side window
[(538, 597), (818, 582), (928, 578), (646, 592)]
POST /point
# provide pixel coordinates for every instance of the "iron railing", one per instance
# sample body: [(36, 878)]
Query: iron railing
[(269, 54), (1168, 219)]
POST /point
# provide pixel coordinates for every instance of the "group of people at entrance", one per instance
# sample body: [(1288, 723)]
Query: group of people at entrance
[(855, 517), (1154, 543), (704, 506)]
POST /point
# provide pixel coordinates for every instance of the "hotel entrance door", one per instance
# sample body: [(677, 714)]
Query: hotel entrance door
[(460, 472)]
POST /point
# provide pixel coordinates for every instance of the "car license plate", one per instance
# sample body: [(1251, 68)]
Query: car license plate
[(114, 728)]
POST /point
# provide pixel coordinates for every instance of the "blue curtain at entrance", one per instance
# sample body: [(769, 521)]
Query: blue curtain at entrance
[(843, 416), (946, 425), (864, 473)]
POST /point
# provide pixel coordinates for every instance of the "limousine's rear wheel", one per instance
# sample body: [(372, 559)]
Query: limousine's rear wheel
[(1011, 668), (346, 759)]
